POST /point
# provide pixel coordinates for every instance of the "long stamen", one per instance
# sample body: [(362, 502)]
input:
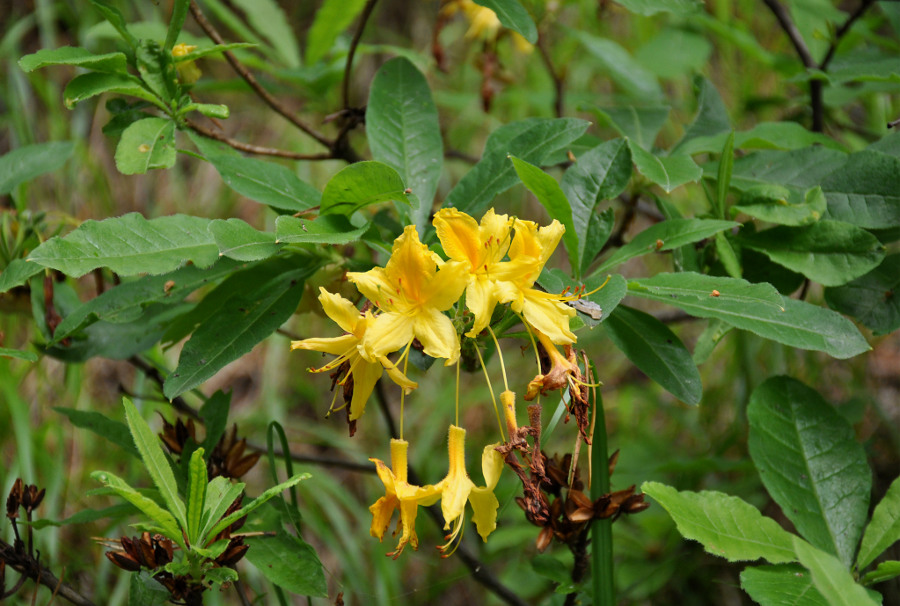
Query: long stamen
[(499, 355), (491, 390), (405, 357), (457, 395)]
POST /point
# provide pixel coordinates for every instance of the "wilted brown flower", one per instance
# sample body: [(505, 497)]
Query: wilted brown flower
[(227, 458), (26, 496)]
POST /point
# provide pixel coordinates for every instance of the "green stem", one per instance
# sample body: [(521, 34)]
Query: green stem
[(601, 531)]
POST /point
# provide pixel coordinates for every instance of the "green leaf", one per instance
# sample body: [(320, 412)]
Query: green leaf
[(237, 240), (157, 69), (723, 179), (811, 464), (268, 18), (327, 229), (513, 16), (600, 174), (656, 351), (765, 135), (680, 8), (17, 273), (130, 245), (727, 256), (146, 505), (602, 302), (623, 70), (155, 461), (669, 172), (864, 191), (146, 144), (115, 18), (361, 184), (755, 307), (783, 205), (144, 590), (196, 495), (551, 196), (214, 413), (288, 562), (666, 235), (212, 50), (18, 354), (726, 526), (714, 332), (640, 124), (712, 115), (257, 502), (176, 22), (531, 140), (676, 52), (885, 571), (243, 320), (220, 494), (871, 299), (831, 577), (332, 18), (86, 516), (74, 55), (92, 84), (113, 431), (828, 252), (403, 130), (782, 585), (210, 110), (29, 161), (884, 528), (804, 168), (128, 301)]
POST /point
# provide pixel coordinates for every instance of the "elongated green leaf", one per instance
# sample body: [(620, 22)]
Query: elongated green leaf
[(639, 124), (513, 15), (176, 22), (327, 229), (726, 526), (633, 78), (712, 115), (220, 494), (214, 413), (27, 162), (17, 273), (551, 196), (811, 464), (656, 351), (196, 496), (268, 18), (831, 577), (829, 252), (148, 506), (782, 585), (531, 140), (128, 301), (74, 55), (86, 516), (885, 571), (155, 461), (289, 563), (239, 241), (332, 18), (755, 307), (130, 245), (765, 135), (243, 320), (871, 299), (666, 235), (864, 191), (783, 205), (652, 7), (115, 18), (804, 168), (106, 428), (403, 130), (669, 172), (157, 69), (361, 184), (884, 528), (723, 179), (257, 502), (271, 184), (145, 145), (18, 354)]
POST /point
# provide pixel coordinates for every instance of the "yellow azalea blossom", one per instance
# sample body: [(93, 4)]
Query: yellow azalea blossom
[(412, 293), (530, 249), (399, 494), (363, 373), (457, 488), (480, 248), (483, 23), (188, 72)]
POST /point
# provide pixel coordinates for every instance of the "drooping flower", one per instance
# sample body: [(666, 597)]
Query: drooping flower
[(188, 72), (399, 494), (562, 373), (361, 373), (457, 488), (480, 249), (412, 294), (530, 249)]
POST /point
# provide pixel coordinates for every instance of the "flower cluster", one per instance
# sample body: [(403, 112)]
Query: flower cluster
[(488, 264)]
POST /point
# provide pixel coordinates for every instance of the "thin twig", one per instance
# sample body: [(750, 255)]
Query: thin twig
[(152, 373), (248, 77), (796, 38), (348, 66), (32, 569), (558, 80), (843, 29), (317, 460), (254, 149), (239, 588)]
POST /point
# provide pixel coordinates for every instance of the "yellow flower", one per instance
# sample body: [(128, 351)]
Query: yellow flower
[(457, 488), (531, 248), (361, 374), (188, 72), (563, 373), (412, 293), (399, 494), (480, 248)]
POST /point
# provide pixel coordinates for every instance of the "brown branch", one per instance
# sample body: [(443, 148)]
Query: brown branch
[(345, 85), (558, 80), (317, 460), (254, 149), (33, 569), (248, 77)]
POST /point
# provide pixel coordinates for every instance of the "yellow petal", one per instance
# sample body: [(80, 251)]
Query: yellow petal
[(481, 299), (484, 505), (396, 376), (456, 486), (408, 511), (337, 346), (548, 237), (386, 334), (339, 309), (365, 375), (382, 511), (491, 465), (436, 333), (446, 287), (410, 267), (460, 236), (549, 315), (376, 287)]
